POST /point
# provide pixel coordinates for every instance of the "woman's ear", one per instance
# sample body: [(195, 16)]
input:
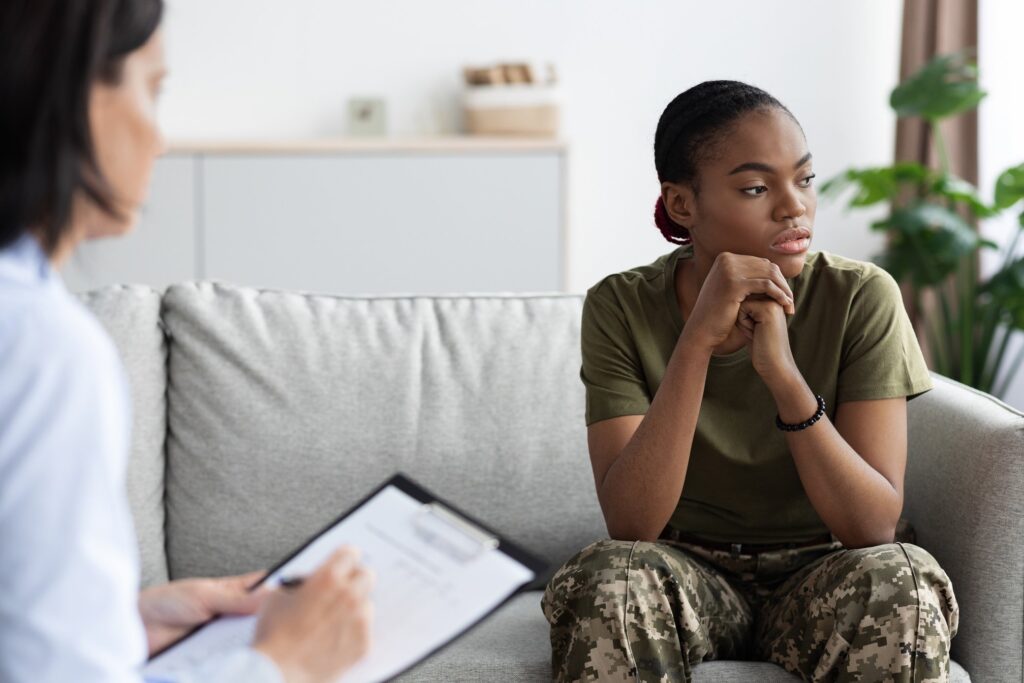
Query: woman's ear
[(680, 203)]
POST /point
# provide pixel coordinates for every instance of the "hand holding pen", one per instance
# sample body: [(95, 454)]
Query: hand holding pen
[(318, 626)]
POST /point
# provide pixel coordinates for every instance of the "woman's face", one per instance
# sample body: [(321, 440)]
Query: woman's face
[(126, 139), (756, 193)]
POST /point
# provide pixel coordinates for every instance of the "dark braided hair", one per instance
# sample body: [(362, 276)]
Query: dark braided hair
[(687, 131)]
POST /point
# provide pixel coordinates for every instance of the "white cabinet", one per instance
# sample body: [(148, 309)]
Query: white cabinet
[(444, 216)]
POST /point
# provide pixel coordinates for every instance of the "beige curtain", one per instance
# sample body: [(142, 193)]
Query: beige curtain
[(930, 28), (933, 27)]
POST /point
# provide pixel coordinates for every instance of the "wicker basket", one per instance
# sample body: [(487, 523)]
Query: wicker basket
[(512, 110)]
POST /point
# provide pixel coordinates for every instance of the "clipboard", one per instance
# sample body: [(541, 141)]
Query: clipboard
[(456, 538)]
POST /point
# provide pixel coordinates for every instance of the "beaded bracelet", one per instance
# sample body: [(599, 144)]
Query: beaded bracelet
[(806, 423)]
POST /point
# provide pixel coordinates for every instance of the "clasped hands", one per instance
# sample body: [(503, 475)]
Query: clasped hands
[(751, 294)]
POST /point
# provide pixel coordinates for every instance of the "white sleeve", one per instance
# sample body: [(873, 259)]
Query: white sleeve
[(69, 574), (68, 566), (243, 665)]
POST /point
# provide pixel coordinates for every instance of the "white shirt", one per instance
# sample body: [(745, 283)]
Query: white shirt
[(69, 569)]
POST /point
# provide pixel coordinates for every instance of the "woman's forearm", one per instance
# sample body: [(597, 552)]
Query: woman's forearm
[(859, 505), (641, 489)]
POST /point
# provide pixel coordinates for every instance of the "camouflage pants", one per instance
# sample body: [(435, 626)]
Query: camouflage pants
[(622, 611)]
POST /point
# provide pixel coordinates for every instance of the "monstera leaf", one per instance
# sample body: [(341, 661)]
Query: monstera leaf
[(947, 85), (927, 243), (886, 183), (874, 185), (1010, 187), (959, 191)]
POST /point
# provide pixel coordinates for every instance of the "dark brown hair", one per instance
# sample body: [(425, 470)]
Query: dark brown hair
[(52, 52)]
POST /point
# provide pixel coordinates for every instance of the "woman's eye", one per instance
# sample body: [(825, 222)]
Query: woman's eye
[(754, 191), (806, 182)]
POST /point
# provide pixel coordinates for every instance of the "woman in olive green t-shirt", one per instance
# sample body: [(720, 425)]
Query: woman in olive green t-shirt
[(747, 423)]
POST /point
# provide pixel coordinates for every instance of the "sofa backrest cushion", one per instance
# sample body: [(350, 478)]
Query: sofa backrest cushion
[(131, 315), (284, 409)]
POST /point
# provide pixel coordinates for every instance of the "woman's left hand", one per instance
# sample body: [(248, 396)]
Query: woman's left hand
[(763, 322), (171, 610)]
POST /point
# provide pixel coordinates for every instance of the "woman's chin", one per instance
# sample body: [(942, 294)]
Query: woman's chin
[(113, 226), (791, 266)]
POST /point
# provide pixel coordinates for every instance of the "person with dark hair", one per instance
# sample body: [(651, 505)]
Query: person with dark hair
[(746, 403), (79, 83)]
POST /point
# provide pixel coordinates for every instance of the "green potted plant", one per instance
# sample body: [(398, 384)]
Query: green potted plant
[(932, 245)]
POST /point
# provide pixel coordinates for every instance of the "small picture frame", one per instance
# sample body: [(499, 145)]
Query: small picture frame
[(367, 116)]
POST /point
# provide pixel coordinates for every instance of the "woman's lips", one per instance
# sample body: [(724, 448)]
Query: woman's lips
[(796, 246), (792, 241)]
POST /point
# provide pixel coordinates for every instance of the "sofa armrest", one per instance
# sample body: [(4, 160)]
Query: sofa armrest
[(965, 497)]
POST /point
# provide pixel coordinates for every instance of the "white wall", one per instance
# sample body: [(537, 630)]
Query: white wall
[(275, 68), (1001, 136)]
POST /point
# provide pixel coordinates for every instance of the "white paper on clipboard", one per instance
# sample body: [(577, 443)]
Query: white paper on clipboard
[(437, 574)]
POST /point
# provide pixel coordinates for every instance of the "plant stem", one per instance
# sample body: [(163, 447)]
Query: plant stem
[(992, 372), (940, 360), (1014, 367), (940, 354), (989, 327), (1008, 259), (966, 319), (948, 324), (1001, 351), (940, 146), (947, 329)]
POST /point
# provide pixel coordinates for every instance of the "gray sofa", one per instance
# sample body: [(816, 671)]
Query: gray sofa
[(260, 415)]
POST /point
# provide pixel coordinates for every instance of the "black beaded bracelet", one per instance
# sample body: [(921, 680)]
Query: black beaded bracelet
[(806, 423)]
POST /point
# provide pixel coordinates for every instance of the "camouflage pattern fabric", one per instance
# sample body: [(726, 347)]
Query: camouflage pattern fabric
[(623, 611)]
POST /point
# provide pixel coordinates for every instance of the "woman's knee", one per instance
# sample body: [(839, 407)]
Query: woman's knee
[(594, 562), (892, 575), (893, 560), (927, 568), (587, 573), (936, 590), (602, 571)]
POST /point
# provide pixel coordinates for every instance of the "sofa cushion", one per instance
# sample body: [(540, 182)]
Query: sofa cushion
[(131, 315), (512, 645), (284, 409)]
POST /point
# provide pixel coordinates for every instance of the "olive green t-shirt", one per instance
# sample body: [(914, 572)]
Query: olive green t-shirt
[(851, 339)]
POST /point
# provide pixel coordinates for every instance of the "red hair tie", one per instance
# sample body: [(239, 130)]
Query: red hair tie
[(672, 231)]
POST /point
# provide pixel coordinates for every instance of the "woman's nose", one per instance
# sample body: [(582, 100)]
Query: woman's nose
[(791, 207)]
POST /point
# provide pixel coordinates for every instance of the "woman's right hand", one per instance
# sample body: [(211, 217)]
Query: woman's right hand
[(320, 629), (732, 279)]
